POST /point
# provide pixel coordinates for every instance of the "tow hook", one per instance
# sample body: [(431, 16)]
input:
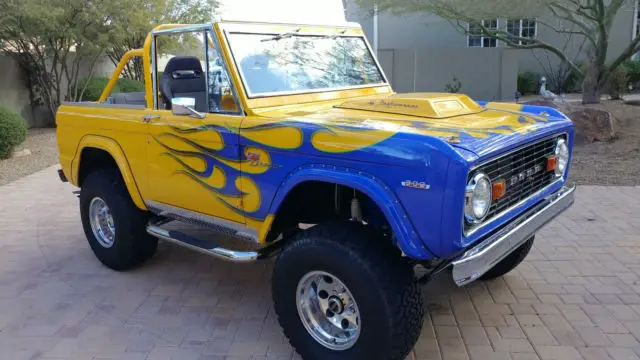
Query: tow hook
[(432, 269)]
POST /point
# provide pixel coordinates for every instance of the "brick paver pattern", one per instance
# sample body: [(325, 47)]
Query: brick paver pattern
[(575, 297)]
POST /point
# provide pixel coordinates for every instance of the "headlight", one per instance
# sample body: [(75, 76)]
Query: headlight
[(478, 198), (562, 156)]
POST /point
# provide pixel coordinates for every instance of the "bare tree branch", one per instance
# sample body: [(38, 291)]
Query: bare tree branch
[(568, 16), (626, 54), (588, 35), (516, 42), (590, 20)]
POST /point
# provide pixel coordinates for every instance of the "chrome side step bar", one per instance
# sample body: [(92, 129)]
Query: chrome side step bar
[(205, 247), (220, 226)]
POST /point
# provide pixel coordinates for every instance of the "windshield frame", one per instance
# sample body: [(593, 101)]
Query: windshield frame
[(254, 31)]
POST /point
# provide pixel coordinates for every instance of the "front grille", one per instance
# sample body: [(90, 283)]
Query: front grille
[(511, 168)]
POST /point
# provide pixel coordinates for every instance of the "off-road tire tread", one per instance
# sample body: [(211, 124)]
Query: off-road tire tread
[(397, 282), (133, 245), (510, 262)]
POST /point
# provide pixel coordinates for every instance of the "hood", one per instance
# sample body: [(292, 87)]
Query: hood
[(482, 128), (424, 105)]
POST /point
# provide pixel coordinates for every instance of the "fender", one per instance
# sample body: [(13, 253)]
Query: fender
[(535, 110), (407, 238), (111, 146)]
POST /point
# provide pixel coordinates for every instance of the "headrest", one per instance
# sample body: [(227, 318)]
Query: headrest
[(181, 67)]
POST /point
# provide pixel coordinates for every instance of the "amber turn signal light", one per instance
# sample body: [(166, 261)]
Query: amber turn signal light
[(552, 163), (499, 189)]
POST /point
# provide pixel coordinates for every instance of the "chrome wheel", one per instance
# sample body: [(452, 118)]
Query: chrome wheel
[(102, 223), (328, 310)]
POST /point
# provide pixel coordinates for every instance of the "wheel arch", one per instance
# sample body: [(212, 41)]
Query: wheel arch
[(95, 144), (378, 191)]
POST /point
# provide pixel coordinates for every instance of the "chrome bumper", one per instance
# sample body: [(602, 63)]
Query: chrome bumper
[(484, 256)]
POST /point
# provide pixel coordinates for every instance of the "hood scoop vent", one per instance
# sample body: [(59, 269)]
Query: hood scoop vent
[(426, 105)]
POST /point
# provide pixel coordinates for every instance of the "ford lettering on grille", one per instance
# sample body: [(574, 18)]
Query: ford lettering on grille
[(523, 170), (525, 175)]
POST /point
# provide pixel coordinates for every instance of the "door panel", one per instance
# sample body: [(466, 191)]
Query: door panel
[(193, 164)]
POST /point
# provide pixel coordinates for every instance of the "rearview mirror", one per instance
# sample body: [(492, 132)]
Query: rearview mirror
[(185, 106)]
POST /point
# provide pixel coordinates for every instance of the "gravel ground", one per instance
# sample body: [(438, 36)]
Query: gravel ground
[(44, 153), (616, 163)]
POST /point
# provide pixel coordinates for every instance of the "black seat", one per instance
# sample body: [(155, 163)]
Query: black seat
[(183, 77)]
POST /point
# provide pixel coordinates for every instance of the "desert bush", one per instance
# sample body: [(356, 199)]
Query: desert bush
[(632, 67), (574, 80), (96, 85), (93, 88), (126, 85), (13, 131), (528, 83), (454, 86), (618, 84)]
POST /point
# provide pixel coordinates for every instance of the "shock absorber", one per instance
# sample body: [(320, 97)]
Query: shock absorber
[(356, 210)]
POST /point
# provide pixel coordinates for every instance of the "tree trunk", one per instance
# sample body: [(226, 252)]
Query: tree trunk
[(138, 69), (591, 95), (591, 87)]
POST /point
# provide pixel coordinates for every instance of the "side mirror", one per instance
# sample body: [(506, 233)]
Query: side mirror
[(185, 106)]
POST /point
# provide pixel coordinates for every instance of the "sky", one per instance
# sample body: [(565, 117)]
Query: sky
[(284, 11)]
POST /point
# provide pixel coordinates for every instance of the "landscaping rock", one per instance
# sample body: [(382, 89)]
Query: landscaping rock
[(591, 124), (25, 152), (541, 103)]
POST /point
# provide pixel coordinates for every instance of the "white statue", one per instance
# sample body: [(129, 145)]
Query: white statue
[(548, 95)]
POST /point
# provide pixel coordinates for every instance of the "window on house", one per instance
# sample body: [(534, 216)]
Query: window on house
[(475, 38), (524, 28)]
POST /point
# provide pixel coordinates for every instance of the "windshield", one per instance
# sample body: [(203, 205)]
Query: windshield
[(271, 64)]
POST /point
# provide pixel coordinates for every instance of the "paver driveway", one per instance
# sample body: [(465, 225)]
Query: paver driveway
[(576, 296)]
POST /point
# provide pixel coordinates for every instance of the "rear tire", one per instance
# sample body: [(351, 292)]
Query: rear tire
[(114, 226), (510, 262), (388, 311)]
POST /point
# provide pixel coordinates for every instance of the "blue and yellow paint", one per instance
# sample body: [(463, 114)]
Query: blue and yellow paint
[(244, 163), (241, 168)]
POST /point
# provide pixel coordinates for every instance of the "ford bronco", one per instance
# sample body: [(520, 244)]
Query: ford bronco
[(289, 138)]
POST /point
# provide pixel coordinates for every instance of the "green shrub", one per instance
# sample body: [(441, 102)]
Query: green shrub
[(96, 85), (454, 86), (13, 130), (617, 84), (129, 85), (94, 88), (528, 83), (632, 67)]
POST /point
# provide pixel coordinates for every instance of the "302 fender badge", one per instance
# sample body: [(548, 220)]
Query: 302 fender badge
[(421, 185), (251, 156)]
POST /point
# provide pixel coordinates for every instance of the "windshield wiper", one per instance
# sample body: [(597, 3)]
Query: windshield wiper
[(334, 36), (282, 36)]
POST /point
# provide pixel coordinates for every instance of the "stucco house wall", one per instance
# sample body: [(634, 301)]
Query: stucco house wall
[(430, 34), (14, 93)]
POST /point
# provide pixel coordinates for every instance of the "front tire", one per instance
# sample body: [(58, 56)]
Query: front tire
[(115, 228), (341, 292), (510, 262)]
